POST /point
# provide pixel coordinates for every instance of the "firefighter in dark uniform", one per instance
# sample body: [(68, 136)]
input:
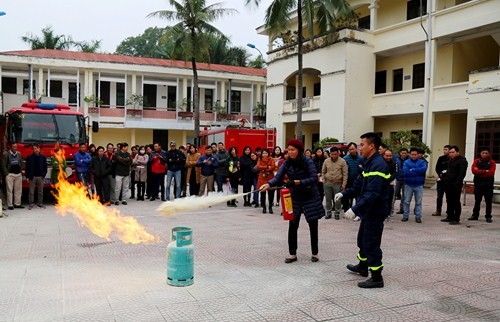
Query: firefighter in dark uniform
[(372, 192)]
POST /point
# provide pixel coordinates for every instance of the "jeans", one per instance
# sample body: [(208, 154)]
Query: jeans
[(83, 177), (221, 180), (418, 192), (330, 191), (176, 175), (255, 192), (400, 188)]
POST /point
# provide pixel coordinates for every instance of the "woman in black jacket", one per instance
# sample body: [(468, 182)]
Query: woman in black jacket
[(302, 179), (318, 159), (246, 174)]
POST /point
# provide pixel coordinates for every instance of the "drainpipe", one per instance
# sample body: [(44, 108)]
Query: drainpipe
[(428, 62), (229, 98), (30, 81)]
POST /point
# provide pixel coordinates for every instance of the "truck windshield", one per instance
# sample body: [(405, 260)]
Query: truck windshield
[(47, 128)]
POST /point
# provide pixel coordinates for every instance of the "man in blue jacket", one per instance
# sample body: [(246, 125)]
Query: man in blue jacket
[(372, 190), (414, 171), (208, 164), (82, 164), (36, 170)]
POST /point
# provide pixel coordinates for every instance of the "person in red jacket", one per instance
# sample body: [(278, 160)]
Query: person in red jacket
[(483, 169), (266, 166)]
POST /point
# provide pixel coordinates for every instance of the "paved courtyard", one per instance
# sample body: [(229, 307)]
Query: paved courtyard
[(53, 270)]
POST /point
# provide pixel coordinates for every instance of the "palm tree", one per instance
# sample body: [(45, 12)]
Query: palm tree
[(89, 47), (191, 33), (48, 40), (320, 13)]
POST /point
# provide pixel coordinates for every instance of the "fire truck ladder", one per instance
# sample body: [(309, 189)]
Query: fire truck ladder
[(270, 136)]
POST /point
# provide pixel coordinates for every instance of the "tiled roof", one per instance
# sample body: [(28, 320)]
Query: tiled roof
[(120, 59)]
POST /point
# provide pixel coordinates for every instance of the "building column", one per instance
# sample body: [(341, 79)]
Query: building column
[(134, 84), (41, 84), (373, 14), (223, 93), (184, 90), (132, 137)]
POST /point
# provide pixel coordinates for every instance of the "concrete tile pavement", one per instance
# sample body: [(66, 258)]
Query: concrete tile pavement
[(53, 270)]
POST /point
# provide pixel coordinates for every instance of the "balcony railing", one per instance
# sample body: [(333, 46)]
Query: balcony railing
[(309, 104)]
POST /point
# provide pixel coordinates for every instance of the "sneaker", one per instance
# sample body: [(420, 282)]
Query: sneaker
[(357, 218), (454, 222), (437, 213), (472, 218), (30, 207), (19, 207), (328, 215), (400, 212), (42, 206), (418, 220), (124, 203), (116, 203), (445, 220), (404, 219), (337, 216), (11, 208), (488, 220)]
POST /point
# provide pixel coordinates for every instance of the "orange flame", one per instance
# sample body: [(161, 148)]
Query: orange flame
[(100, 220)]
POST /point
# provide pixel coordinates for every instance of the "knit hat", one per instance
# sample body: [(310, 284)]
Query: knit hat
[(296, 143)]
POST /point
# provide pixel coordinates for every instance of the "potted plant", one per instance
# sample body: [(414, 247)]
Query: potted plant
[(93, 102), (183, 108), (136, 101), (259, 112)]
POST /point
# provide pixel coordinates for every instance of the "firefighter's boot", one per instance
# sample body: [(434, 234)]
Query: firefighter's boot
[(361, 268), (376, 281)]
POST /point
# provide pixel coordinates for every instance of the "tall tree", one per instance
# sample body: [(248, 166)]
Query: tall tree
[(89, 46), (48, 40), (194, 24), (148, 44), (320, 13)]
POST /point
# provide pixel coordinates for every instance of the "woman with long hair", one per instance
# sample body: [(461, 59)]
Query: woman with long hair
[(141, 172), (266, 168), (255, 176), (302, 179), (233, 171), (278, 159), (193, 172), (246, 174)]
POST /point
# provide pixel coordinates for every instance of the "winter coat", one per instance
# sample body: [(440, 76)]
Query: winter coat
[(247, 175), (123, 163), (305, 195), (442, 165), (207, 169), (354, 167), (484, 171), (36, 166), (191, 166), (82, 162), (393, 170), (6, 162), (101, 167), (265, 167), (335, 172), (400, 176), (56, 168), (176, 160), (457, 169), (158, 160), (222, 157), (233, 167), (414, 172), (371, 189)]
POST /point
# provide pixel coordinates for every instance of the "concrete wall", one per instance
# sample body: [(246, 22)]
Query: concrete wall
[(404, 61), (386, 125), (391, 12), (473, 54)]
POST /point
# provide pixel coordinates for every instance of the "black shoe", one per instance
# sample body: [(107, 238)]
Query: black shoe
[(152, 199), (314, 259), (472, 218), (271, 210), (19, 207), (337, 216), (256, 206), (264, 210), (445, 220), (290, 260), (116, 203), (11, 208), (228, 203), (453, 222), (404, 219), (360, 269), (400, 212), (418, 220), (124, 203), (488, 220), (328, 216), (163, 199), (376, 281)]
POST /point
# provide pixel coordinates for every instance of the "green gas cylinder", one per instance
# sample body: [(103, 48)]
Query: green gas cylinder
[(180, 257)]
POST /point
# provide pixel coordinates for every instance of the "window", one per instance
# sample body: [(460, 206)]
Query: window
[(317, 89), (120, 94), (418, 75), (188, 100), (290, 93), (364, 22), (55, 88), (235, 102), (9, 85), (414, 10), (149, 93), (73, 94), (381, 82), (209, 99), (172, 97), (26, 89), (304, 92), (488, 136), (104, 92), (397, 80)]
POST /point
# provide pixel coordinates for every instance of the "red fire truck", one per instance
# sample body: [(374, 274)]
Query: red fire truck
[(234, 135), (47, 125)]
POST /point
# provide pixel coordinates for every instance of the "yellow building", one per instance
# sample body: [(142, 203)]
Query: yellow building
[(384, 76), (101, 87)]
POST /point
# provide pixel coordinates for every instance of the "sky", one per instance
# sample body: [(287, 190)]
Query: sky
[(112, 21)]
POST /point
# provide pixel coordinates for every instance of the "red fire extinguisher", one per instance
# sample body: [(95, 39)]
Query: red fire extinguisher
[(286, 204)]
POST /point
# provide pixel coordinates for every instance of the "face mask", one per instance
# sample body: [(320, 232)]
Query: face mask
[(142, 151)]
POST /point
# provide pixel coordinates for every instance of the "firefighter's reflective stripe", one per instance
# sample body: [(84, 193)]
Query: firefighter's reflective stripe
[(376, 268), (377, 173), (363, 259)]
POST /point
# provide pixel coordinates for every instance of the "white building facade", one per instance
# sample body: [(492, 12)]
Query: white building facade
[(384, 76), (102, 86)]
